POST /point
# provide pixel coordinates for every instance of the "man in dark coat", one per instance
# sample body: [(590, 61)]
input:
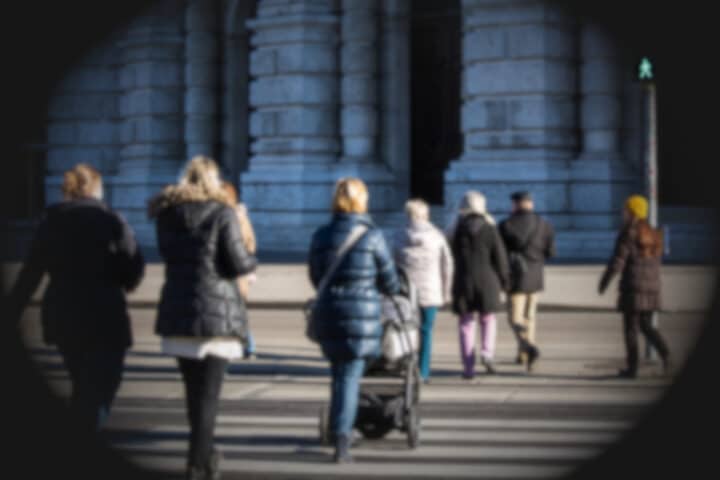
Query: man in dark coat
[(530, 241)]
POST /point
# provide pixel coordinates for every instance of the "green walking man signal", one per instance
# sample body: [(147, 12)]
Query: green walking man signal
[(645, 69)]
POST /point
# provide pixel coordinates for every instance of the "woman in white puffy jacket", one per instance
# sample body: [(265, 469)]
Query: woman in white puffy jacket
[(422, 251)]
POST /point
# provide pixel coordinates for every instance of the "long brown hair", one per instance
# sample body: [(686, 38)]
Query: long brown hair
[(649, 240)]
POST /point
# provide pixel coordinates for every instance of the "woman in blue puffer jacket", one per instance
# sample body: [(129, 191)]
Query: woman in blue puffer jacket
[(347, 313)]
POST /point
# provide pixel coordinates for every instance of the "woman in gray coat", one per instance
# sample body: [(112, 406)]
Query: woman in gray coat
[(422, 252)]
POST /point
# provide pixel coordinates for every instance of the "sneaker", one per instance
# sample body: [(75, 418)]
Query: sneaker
[(627, 373), (466, 376), (487, 363), (251, 356)]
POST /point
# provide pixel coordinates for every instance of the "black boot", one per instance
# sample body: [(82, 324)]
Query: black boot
[(532, 355), (194, 473), (667, 365), (342, 449), (212, 468)]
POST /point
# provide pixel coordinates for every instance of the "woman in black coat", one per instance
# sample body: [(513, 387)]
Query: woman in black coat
[(91, 258), (347, 314), (201, 315), (481, 274)]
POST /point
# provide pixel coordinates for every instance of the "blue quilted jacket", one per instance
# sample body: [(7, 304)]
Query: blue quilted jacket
[(347, 314)]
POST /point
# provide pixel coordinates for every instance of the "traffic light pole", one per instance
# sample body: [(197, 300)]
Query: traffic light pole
[(651, 166)]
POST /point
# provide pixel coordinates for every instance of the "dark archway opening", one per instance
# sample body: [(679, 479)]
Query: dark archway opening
[(435, 69)]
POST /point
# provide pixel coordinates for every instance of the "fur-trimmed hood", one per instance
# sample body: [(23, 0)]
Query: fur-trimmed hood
[(178, 194)]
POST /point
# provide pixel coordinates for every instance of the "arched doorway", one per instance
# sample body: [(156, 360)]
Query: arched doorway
[(436, 66)]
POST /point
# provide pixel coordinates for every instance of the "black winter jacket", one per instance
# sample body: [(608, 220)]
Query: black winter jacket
[(481, 266), (200, 242), (348, 314), (91, 258), (515, 232)]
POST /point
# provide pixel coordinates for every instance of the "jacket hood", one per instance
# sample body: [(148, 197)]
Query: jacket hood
[(417, 233), (173, 195)]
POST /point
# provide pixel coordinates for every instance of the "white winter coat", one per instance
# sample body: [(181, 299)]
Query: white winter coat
[(423, 252)]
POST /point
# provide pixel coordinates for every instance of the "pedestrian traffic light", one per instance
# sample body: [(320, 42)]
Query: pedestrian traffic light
[(645, 72)]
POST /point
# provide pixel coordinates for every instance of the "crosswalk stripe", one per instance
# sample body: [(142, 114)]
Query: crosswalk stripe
[(318, 469)]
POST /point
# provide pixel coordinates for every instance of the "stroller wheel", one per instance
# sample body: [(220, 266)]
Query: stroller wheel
[(412, 420), (324, 426)]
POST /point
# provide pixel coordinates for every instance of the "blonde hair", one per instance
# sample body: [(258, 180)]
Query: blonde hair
[(203, 172), (417, 209), (81, 181), (351, 196), (246, 229)]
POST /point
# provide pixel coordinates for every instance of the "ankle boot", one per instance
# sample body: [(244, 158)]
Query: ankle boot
[(194, 473), (212, 468), (342, 449)]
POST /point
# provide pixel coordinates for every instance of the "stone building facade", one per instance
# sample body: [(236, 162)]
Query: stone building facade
[(290, 95)]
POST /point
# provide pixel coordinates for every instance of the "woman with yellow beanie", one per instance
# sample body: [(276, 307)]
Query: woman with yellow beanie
[(637, 258)]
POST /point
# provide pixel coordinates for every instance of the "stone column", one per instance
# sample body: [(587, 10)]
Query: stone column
[(151, 106), (83, 120), (359, 84), (602, 175), (235, 92), (518, 113), (601, 179), (201, 78), (294, 125), (395, 92)]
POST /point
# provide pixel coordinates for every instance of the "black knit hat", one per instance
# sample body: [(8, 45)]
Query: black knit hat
[(520, 196)]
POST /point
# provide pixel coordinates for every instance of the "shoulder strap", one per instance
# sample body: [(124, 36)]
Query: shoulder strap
[(355, 234)]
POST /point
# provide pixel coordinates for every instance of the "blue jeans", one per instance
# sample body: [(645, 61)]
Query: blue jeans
[(250, 344), (427, 315), (344, 394)]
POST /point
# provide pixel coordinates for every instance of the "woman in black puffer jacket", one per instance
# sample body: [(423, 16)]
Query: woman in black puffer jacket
[(201, 315), (347, 315)]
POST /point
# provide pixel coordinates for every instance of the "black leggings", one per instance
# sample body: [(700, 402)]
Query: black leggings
[(633, 320), (203, 381)]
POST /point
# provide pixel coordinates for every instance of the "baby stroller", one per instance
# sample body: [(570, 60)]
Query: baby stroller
[(390, 390)]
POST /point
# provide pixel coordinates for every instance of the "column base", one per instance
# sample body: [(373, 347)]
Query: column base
[(597, 189), (546, 180), (287, 203)]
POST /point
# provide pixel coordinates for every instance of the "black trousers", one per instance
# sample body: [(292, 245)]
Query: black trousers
[(203, 381), (643, 320), (95, 373)]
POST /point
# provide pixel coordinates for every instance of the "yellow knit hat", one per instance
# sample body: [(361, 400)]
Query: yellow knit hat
[(638, 206)]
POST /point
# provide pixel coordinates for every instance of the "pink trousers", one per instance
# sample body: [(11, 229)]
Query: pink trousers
[(488, 333)]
